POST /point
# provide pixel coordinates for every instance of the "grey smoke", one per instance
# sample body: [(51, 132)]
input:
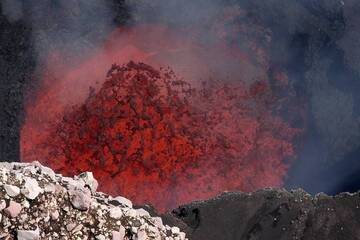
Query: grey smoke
[(12, 9), (197, 21), (76, 26), (178, 12)]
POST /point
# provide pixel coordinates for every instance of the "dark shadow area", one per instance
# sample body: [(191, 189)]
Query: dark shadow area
[(17, 62)]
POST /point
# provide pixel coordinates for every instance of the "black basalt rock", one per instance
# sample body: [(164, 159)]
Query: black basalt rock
[(271, 214)]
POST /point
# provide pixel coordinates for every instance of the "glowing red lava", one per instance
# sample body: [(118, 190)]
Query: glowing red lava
[(152, 137)]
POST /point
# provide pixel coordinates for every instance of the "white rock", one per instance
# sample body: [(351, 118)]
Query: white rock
[(77, 228), (70, 226), (2, 204), (131, 213), (134, 229), (142, 235), (73, 184), (175, 230), (100, 237), (142, 212), (31, 188), (30, 169), (116, 213), (119, 235), (80, 198), (158, 222), (50, 188), (12, 190), (28, 234), (89, 180), (19, 176), (123, 201), (4, 174), (54, 215), (182, 235), (13, 209), (47, 171), (25, 203)]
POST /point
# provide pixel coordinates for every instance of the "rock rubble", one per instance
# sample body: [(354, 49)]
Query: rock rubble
[(36, 203)]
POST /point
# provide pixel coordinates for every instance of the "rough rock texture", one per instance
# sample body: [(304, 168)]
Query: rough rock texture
[(36, 203), (272, 214)]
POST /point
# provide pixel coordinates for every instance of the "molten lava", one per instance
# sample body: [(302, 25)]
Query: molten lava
[(151, 137), (154, 137)]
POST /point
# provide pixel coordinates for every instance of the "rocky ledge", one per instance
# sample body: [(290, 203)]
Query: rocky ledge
[(271, 214), (36, 203)]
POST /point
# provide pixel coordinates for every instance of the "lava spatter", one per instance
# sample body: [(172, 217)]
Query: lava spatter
[(148, 135)]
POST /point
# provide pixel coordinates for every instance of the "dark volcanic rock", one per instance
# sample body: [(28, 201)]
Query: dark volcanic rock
[(272, 214)]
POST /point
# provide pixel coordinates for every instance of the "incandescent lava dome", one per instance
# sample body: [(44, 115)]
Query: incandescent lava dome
[(157, 137)]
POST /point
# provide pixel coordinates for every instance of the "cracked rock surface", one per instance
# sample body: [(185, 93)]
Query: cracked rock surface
[(36, 203), (272, 214)]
